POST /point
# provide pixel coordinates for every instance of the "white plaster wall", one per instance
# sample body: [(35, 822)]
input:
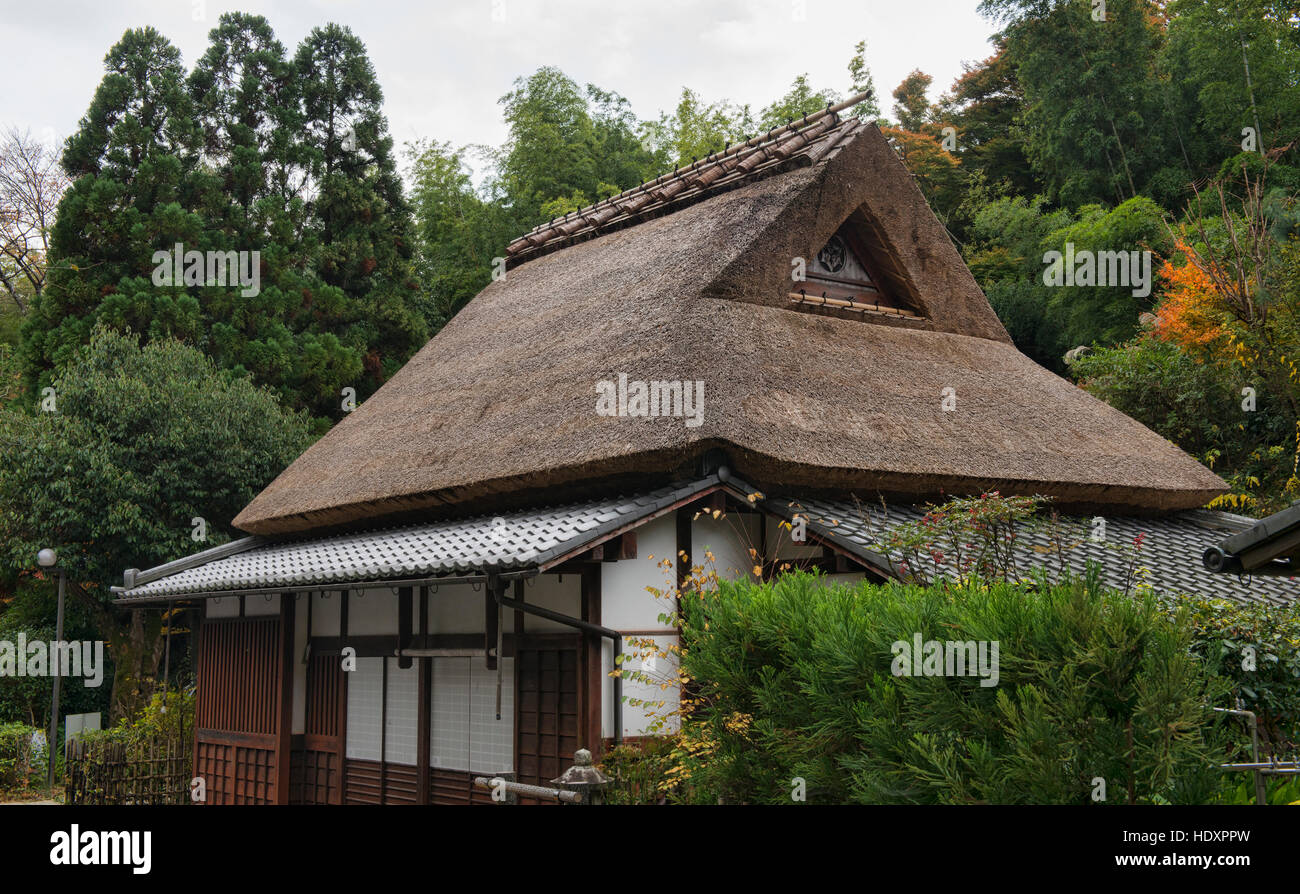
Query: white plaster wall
[(221, 607), (325, 610), (558, 592), (260, 606), (372, 613), (729, 539), (454, 608), (637, 718), (625, 604)]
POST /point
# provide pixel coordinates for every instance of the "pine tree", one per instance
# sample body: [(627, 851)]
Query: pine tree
[(130, 161), (254, 152), (358, 213)]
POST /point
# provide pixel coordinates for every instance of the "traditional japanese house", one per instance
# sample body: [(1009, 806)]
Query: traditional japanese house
[(765, 336)]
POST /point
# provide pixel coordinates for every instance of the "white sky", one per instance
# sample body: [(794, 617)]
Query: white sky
[(443, 64)]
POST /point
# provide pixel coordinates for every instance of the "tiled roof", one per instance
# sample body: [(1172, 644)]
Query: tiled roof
[(804, 142), (1169, 558), (1269, 545), (487, 543)]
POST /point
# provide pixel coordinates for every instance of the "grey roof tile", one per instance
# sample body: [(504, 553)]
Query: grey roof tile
[(496, 543), (1168, 560)]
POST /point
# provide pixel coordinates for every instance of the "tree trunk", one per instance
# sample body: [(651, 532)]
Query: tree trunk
[(137, 650)]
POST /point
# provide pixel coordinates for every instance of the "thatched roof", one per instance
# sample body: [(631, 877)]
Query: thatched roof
[(500, 407)]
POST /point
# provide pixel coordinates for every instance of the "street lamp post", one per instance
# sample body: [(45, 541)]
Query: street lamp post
[(47, 559)]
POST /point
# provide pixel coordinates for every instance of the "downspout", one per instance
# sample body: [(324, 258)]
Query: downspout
[(614, 635)]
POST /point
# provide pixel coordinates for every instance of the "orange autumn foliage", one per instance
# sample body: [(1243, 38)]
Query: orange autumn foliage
[(1192, 312)]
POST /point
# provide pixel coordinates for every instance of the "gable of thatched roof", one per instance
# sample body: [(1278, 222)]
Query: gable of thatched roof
[(501, 404)]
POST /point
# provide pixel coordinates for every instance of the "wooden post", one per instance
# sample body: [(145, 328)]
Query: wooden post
[(491, 619), (342, 758), (424, 724), (591, 654), (284, 731), (404, 626), (199, 698)]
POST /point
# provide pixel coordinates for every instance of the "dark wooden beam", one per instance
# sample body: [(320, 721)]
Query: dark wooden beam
[(590, 655), (283, 746), (342, 759), (424, 722), (404, 608), (491, 618), (684, 517), (385, 646)]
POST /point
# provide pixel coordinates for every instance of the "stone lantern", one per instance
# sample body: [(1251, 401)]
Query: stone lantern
[(584, 778)]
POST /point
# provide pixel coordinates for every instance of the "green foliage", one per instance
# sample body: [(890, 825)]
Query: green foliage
[(648, 771), (1094, 114), (1238, 62), (972, 538), (1196, 405), (1239, 789), (911, 106), (1005, 254), (162, 717), (457, 235), (143, 440), (860, 81), (983, 106), (1256, 648), (796, 680), (18, 767), (30, 613), (696, 129), (799, 101), (252, 152), (564, 144), (1097, 314)]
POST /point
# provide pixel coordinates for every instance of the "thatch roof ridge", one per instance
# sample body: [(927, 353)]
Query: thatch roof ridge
[(501, 404), (802, 142)]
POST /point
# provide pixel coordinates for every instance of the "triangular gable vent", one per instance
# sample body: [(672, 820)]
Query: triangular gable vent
[(846, 275)]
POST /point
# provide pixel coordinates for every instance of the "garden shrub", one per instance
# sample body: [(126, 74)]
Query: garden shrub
[(1255, 648), (19, 767), (794, 680)]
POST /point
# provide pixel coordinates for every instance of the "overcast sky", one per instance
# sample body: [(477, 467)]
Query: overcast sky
[(443, 64)]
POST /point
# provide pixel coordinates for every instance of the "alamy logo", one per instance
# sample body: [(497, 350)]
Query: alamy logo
[(1129, 269), (77, 848), (63, 659), (179, 267), (653, 399), (952, 658)]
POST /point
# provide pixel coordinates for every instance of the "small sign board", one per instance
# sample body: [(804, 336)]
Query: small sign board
[(75, 724)]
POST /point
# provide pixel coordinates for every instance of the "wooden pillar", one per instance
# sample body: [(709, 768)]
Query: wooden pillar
[(404, 626), (200, 702), (284, 728), (591, 657), (345, 596), (492, 618), (684, 516), (424, 723)]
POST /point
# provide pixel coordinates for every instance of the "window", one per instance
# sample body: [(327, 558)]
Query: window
[(845, 277), (466, 734)]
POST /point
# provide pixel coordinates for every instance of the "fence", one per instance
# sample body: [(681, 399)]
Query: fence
[(143, 771)]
